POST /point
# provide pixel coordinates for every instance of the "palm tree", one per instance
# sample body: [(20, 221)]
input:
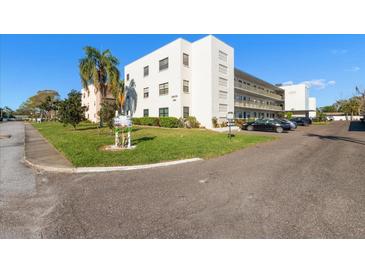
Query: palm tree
[(100, 68)]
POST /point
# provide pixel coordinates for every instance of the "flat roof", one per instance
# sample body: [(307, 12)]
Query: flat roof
[(249, 77)]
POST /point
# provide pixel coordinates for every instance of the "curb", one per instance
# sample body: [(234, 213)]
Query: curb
[(106, 169)]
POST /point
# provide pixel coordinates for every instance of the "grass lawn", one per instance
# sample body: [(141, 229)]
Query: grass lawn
[(320, 123), (82, 146)]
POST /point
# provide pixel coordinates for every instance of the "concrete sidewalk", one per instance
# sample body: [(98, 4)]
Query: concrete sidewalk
[(39, 152)]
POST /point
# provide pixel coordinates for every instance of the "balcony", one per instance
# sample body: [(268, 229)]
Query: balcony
[(252, 105), (257, 91)]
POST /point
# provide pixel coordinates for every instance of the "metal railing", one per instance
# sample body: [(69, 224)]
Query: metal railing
[(245, 104), (257, 91)]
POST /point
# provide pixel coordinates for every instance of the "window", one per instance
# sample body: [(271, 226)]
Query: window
[(145, 112), (127, 76), (223, 69), (146, 92), (164, 88), (164, 64), (222, 56), (163, 112), (223, 82), (223, 107), (185, 59), (222, 94), (186, 112), (186, 86), (146, 71)]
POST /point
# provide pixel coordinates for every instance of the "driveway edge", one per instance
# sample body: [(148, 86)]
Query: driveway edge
[(107, 169)]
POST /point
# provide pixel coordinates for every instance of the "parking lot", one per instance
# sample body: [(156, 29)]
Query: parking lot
[(307, 184)]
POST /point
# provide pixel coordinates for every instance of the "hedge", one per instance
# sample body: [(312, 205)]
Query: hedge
[(170, 122), (146, 121)]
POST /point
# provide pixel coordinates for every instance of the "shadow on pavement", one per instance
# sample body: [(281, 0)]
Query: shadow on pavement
[(337, 138), (357, 126)]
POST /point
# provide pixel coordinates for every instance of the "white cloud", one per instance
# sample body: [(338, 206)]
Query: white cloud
[(339, 51), (353, 69), (319, 83), (288, 83)]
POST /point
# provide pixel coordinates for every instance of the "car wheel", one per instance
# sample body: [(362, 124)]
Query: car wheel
[(279, 129), (250, 128)]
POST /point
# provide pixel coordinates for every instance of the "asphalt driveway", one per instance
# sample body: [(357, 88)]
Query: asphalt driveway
[(308, 184)]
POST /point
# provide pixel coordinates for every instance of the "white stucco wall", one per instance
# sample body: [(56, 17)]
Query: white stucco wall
[(173, 75), (296, 97), (92, 100), (312, 105), (202, 73)]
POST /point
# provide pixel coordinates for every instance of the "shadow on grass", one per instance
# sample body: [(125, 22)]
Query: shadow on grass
[(357, 126), (143, 139), (337, 138)]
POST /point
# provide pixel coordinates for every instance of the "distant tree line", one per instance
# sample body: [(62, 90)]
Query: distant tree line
[(47, 105), (350, 107)]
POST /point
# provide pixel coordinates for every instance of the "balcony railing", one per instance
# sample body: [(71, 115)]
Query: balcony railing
[(257, 91), (252, 105)]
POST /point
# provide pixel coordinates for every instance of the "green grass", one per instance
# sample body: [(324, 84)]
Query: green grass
[(82, 146), (320, 123)]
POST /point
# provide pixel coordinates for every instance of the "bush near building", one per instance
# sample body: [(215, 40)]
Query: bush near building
[(170, 122), (146, 121), (191, 122)]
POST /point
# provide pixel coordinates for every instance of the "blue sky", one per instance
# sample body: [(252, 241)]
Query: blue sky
[(332, 64)]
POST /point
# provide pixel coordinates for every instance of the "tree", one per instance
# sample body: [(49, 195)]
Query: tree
[(101, 70), (107, 112), (330, 108), (289, 115), (48, 107), (32, 106), (70, 110), (350, 107), (361, 94)]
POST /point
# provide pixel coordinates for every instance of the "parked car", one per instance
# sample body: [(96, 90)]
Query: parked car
[(293, 125), (301, 121), (267, 125)]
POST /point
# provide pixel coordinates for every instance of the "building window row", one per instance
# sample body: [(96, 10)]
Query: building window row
[(186, 86), (223, 108), (222, 56), (164, 88), (223, 94), (185, 59), (223, 82), (223, 69), (164, 64), (146, 92), (164, 112)]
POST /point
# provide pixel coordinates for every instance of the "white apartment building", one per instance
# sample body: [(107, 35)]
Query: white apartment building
[(312, 104), (92, 101), (184, 79), (297, 100)]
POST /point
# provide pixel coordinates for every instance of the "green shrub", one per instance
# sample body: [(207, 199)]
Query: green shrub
[(170, 122), (215, 122), (191, 122), (223, 124), (136, 121), (146, 121)]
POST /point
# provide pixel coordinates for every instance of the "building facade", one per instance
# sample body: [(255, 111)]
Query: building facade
[(184, 79), (92, 101), (255, 98), (199, 79), (298, 102)]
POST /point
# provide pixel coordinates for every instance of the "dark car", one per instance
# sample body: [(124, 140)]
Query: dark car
[(267, 125), (301, 121)]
